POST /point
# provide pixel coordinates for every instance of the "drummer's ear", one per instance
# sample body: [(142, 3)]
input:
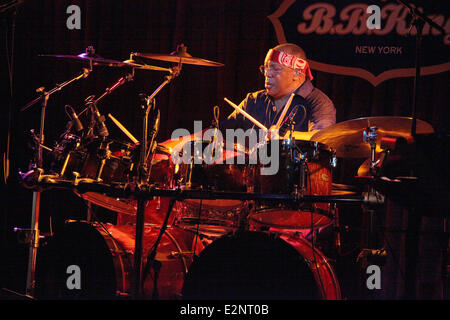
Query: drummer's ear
[(298, 74)]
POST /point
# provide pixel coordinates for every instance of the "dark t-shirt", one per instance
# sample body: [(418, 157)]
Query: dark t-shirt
[(315, 110)]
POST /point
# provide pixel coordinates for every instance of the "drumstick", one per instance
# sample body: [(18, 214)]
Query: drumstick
[(286, 107), (256, 122), (121, 127)]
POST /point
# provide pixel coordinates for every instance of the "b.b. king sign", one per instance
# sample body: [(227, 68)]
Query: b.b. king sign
[(338, 39)]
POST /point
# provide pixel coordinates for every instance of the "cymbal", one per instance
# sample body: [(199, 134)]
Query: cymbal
[(347, 137), (134, 64), (99, 61), (300, 135), (171, 144), (91, 58), (179, 56)]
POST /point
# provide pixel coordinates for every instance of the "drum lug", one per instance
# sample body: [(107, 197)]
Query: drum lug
[(177, 254), (333, 160), (116, 253)]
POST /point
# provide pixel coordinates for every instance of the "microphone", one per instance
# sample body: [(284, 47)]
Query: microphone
[(156, 120), (75, 120), (284, 126), (102, 129)]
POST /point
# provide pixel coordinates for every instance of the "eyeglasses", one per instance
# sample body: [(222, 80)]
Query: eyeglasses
[(274, 69)]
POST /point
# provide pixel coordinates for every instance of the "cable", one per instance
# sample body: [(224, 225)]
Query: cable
[(10, 62)]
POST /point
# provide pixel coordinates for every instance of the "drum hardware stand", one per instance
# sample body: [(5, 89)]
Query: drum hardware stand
[(148, 104), (371, 200), (370, 136), (151, 261), (34, 243), (419, 18)]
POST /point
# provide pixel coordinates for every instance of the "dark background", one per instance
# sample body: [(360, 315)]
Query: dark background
[(236, 33)]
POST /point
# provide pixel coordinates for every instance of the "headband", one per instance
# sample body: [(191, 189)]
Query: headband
[(290, 61)]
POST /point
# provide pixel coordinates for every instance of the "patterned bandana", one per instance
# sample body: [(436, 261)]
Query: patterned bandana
[(290, 61)]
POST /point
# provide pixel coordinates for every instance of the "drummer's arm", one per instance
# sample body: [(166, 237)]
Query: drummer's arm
[(323, 113), (234, 120)]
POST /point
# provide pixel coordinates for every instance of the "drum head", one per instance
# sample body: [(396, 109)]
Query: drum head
[(250, 265), (291, 219), (82, 245)]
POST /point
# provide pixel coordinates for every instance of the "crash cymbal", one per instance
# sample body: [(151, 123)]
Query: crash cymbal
[(99, 61), (347, 137), (179, 56), (90, 58)]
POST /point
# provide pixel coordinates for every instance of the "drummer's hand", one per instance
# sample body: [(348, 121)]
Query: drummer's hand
[(273, 133)]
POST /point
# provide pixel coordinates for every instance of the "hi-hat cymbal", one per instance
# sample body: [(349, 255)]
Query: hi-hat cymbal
[(179, 56), (347, 137)]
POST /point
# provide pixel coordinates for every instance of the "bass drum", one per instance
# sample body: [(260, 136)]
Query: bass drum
[(260, 266), (105, 256)]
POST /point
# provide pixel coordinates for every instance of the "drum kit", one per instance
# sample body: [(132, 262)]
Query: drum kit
[(209, 230)]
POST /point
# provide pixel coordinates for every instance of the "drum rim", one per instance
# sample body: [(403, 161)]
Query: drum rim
[(325, 290), (323, 213)]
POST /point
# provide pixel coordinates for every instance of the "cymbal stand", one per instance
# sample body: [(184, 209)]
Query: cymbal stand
[(148, 105), (371, 197), (34, 243), (370, 136)]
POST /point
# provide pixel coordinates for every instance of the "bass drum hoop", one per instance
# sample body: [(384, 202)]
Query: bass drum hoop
[(119, 257), (225, 262)]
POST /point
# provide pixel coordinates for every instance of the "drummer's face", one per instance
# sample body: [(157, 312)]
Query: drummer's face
[(279, 79)]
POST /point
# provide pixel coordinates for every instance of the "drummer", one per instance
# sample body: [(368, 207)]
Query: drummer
[(286, 71)]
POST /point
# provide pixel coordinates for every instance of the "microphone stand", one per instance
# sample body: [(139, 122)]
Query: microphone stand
[(419, 18), (34, 242), (92, 104), (148, 104), (418, 21)]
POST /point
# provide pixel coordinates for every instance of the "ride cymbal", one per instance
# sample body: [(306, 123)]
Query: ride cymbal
[(347, 137)]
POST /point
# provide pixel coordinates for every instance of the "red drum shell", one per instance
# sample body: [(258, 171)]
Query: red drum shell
[(105, 255), (261, 266)]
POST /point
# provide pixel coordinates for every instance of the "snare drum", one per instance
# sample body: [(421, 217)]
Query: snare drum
[(105, 256), (261, 266), (305, 168)]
